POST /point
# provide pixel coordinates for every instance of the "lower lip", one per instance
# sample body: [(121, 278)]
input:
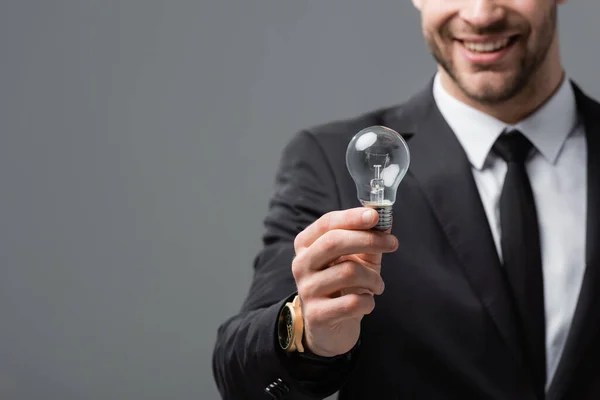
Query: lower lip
[(485, 58)]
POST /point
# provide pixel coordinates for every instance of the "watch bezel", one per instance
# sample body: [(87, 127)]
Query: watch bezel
[(285, 327)]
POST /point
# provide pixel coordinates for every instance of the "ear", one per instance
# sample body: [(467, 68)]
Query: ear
[(417, 4)]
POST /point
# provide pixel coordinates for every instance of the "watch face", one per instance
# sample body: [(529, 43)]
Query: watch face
[(285, 328)]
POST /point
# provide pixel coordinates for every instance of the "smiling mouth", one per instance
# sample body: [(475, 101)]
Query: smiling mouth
[(490, 46)]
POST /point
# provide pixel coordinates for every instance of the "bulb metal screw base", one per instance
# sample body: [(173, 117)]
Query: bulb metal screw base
[(385, 218)]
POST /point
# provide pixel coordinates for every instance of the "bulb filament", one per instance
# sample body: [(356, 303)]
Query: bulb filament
[(377, 186)]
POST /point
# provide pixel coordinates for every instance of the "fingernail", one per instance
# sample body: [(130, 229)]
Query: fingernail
[(368, 216)]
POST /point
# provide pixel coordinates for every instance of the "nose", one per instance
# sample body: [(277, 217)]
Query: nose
[(482, 13)]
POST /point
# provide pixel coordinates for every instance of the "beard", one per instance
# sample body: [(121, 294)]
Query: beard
[(513, 82)]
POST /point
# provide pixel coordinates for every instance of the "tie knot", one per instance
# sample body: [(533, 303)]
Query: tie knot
[(513, 147)]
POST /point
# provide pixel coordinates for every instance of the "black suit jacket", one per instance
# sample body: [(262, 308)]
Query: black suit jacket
[(445, 327)]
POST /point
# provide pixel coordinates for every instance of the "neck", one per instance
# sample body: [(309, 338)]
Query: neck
[(546, 81)]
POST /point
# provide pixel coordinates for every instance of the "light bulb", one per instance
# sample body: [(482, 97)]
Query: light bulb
[(377, 158)]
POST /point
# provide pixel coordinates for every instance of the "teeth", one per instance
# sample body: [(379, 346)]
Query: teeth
[(486, 47)]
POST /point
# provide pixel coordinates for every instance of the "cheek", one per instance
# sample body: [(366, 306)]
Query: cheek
[(531, 9), (536, 16), (435, 12), (541, 33), (436, 18), (437, 35)]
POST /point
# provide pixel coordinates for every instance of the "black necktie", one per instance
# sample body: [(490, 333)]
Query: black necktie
[(521, 250)]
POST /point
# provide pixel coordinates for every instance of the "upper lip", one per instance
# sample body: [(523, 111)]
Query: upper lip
[(484, 39)]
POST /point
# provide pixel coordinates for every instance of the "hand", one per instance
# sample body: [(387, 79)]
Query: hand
[(337, 272)]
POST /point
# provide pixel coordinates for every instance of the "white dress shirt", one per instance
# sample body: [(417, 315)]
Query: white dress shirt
[(558, 173)]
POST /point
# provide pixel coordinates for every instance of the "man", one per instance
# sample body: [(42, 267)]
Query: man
[(491, 268)]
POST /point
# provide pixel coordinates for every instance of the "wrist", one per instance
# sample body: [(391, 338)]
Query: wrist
[(315, 351), (313, 354)]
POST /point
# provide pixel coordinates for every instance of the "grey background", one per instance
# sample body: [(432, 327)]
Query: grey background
[(138, 143)]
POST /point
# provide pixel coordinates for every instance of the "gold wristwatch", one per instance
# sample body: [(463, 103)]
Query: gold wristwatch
[(290, 327)]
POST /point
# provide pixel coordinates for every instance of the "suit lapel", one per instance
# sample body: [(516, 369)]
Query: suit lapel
[(586, 325), (439, 164)]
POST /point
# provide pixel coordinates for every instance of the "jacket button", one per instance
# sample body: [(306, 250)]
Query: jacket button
[(271, 393), (277, 389)]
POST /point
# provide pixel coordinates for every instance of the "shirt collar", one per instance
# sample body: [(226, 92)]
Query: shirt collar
[(547, 128)]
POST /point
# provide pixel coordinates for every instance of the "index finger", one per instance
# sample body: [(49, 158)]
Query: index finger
[(353, 218)]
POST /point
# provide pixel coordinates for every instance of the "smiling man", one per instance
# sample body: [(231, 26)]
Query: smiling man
[(492, 266), (501, 57)]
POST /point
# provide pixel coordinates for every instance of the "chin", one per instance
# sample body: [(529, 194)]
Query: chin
[(489, 87)]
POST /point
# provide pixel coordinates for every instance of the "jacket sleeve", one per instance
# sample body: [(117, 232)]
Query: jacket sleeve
[(247, 360)]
